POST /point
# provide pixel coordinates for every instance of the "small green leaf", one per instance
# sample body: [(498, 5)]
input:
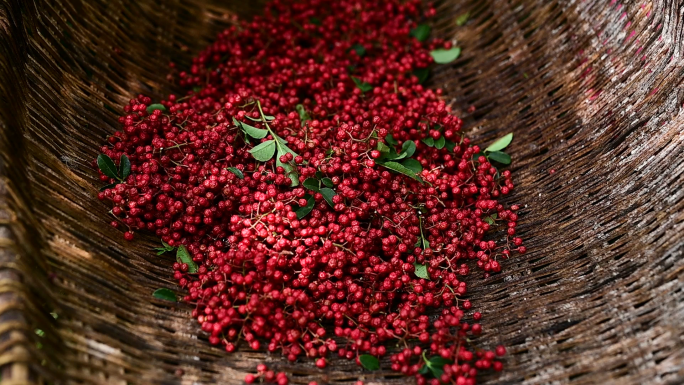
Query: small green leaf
[(363, 86), (107, 166), (319, 175), (422, 74), (360, 50), (500, 157), (237, 172), (449, 145), (124, 167), (303, 115), (327, 182), (328, 195), (436, 365), (304, 210), (269, 118), (382, 147), (424, 369), (369, 362), (167, 246), (312, 184), (429, 141), (421, 271), (54, 315), (40, 332), (439, 143), (290, 170), (490, 218), (500, 143), (182, 256), (408, 148), (256, 133), (165, 294), (196, 89), (160, 251), (397, 167), (264, 151), (108, 186), (421, 32), (445, 56), (462, 19), (412, 165), (153, 107), (390, 140), (316, 21)]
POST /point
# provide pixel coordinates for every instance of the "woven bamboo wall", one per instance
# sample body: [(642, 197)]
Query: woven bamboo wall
[(592, 90)]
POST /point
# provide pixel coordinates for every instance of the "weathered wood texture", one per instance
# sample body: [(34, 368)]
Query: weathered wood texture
[(592, 90)]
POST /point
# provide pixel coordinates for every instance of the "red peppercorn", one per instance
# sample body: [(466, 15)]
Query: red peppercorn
[(322, 237)]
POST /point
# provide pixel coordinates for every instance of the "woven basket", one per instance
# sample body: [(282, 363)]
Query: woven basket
[(592, 90)]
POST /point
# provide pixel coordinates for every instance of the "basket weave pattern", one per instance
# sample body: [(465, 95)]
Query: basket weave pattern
[(592, 90)]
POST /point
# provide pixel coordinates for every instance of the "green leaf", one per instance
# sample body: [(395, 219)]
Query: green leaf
[(445, 56), (421, 271), (439, 143), (304, 210), (124, 167), (369, 362), (500, 157), (237, 172), (327, 182), (390, 140), (363, 86), (412, 165), (319, 175), (182, 256), (153, 107), (256, 133), (422, 74), (165, 294), (382, 147), (40, 332), (290, 170), (462, 19), (490, 218), (436, 365), (108, 186), (424, 369), (167, 246), (500, 143), (328, 195), (264, 151), (421, 32), (408, 148), (449, 145), (397, 167), (196, 89), (312, 184), (107, 166), (429, 141), (316, 21), (303, 115), (360, 50), (269, 118)]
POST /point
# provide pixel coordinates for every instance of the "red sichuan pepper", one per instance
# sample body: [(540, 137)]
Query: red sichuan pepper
[(328, 201)]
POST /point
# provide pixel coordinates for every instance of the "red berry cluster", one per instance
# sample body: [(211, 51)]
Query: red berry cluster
[(279, 174), (266, 375)]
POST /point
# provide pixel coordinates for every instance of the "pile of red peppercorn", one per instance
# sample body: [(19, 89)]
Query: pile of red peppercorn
[(320, 200)]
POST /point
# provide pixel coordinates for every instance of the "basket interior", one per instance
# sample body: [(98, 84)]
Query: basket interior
[(592, 91)]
